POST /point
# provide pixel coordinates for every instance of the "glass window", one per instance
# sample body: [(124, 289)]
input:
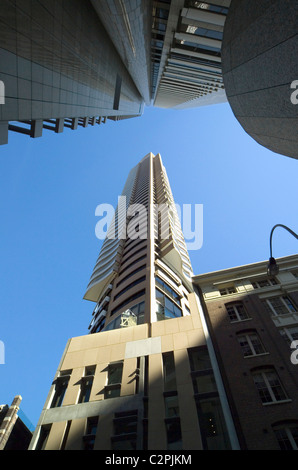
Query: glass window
[(199, 359), (43, 437), (236, 312), (113, 387), (264, 283), (174, 436), (125, 430), (204, 383), (169, 373), (279, 305), (86, 384), (289, 334), (227, 290), (171, 406), (250, 344), (165, 307), (165, 287), (269, 386), (91, 429), (287, 435), (60, 389)]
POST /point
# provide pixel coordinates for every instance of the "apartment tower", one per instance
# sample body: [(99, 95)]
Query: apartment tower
[(145, 377)]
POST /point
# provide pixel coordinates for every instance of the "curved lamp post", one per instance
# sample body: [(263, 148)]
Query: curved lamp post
[(272, 268)]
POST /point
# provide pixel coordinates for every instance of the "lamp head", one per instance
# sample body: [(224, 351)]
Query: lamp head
[(272, 268)]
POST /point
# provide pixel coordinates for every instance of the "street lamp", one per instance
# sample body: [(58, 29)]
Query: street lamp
[(272, 268)]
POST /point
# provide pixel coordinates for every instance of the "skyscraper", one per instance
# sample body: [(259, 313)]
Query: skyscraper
[(65, 65), (60, 68), (146, 376)]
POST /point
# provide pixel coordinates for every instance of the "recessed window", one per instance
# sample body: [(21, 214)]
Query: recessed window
[(287, 435), (91, 429), (250, 344), (290, 334), (61, 385), (279, 305), (236, 312), (125, 430), (113, 387), (43, 437), (169, 372), (269, 386), (227, 290), (264, 283), (210, 416), (86, 384)]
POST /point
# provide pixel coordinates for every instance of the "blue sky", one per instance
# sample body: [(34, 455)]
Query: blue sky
[(50, 188)]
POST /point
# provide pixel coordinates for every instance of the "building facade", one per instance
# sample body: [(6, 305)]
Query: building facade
[(60, 68), (259, 72), (145, 377), (187, 37), (253, 322)]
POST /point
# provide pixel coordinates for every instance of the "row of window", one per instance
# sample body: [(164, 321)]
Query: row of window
[(277, 305), (212, 425), (257, 284), (112, 388), (125, 432)]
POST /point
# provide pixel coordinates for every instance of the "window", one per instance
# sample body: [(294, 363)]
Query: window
[(289, 334), (227, 290), (279, 305), (43, 437), (131, 317), (60, 388), (91, 429), (113, 387), (250, 343), (201, 371), (174, 436), (171, 406), (125, 430), (236, 312), (165, 307), (264, 283), (269, 386), (209, 410), (169, 373), (172, 417), (167, 289), (128, 300), (86, 384), (287, 435)]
